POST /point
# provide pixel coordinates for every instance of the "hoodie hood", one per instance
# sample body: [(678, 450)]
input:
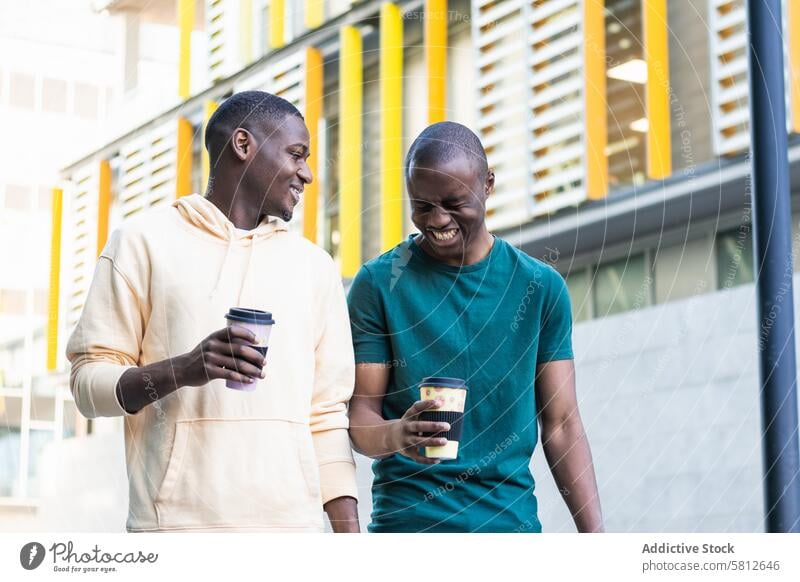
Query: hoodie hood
[(200, 212), (203, 214)]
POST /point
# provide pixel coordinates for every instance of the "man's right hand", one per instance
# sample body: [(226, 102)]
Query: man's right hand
[(225, 354), (405, 434)]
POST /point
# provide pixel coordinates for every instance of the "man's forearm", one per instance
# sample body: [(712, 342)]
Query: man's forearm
[(371, 434), (343, 515), (141, 386), (569, 456)]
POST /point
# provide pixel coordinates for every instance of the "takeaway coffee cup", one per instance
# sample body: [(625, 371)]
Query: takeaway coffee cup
[(453, 391), (260, 323)]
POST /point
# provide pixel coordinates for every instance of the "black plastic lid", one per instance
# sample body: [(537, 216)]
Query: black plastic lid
[(443, 382), (255, 316)]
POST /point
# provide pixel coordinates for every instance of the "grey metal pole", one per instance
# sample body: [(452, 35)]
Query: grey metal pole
[(773, 261)]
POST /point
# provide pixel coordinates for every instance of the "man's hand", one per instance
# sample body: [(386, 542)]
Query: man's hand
[(343, 515), (225, 354), (405, 435)]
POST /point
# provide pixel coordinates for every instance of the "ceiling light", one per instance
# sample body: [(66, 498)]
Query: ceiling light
[(641, 125), (634, 71)]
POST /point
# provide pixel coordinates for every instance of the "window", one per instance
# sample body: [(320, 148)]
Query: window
[(54, 95), (684, 270), (86, 101), (622, 285), (22, 90), (10, 420), (18, 197), (625, 91), (580, 293), (45, 198), (735, 257)]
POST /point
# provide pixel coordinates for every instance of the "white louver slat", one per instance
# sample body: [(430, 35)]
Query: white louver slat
[(729, 75), (501, 112), (222, 26), (82, 247), (148, 170), (531, 105)]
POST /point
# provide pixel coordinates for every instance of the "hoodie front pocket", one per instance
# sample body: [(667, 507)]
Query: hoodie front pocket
[(239, 473)]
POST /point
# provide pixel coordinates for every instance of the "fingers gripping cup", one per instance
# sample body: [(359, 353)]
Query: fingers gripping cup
[(260, 323), (454, 393)]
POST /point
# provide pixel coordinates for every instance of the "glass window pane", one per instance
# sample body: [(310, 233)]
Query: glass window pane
[(86, 97), (54, 95), (9, 459), (735, 257), (10, 415), (22, 90), (70, 419), (38, 440), (621, 286), (684, 270), (580, 294), (626, 75), (43, 408)]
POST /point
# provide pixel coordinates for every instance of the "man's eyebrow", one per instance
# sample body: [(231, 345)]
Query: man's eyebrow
[(299, 145)]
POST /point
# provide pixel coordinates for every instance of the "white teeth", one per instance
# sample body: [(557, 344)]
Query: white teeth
[(444, 236)]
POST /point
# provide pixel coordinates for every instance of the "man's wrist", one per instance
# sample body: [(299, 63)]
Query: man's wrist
[(343, 514)]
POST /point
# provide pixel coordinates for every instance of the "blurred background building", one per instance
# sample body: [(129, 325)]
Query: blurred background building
[(618, 131)]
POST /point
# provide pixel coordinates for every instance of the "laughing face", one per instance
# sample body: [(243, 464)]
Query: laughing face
[(278, 171), (448, 206)]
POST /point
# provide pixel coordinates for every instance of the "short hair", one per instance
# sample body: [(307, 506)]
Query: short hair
[(245, 109), (442, 142)]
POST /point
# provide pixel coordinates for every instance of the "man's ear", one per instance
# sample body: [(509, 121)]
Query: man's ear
[(242, 143), (488, 186)]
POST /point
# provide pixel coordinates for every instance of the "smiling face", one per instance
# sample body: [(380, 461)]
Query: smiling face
[(448, 206), (277, 169)]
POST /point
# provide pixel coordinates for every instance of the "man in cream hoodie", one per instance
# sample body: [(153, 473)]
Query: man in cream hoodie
[(151, 345)]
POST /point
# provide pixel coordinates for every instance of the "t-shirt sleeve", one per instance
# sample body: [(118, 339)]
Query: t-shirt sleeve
[(555, 336), (371, 343)]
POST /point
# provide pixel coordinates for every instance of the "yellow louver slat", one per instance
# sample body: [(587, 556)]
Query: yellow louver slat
[(350, 111), (436, 58), (55, 273), (103, 204), (659, 151), (313, 113), (391, 82)]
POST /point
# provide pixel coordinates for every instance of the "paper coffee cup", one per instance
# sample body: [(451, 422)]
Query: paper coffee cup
[(453, 391), (260, 323)]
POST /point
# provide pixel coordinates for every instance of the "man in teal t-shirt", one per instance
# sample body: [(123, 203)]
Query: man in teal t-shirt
[(456, 301)]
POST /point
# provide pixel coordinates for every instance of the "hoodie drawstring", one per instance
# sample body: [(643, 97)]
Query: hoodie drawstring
[(246, 270), (222, 268)]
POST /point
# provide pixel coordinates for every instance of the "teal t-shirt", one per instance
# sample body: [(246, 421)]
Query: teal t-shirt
[(489, 323)]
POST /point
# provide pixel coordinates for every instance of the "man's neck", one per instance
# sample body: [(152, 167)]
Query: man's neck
[(236, 208)]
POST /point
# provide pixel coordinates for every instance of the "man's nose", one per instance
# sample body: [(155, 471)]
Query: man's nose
[(304, 173), (438, 218)]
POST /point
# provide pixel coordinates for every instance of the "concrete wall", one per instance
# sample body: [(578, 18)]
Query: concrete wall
[(669, 399)]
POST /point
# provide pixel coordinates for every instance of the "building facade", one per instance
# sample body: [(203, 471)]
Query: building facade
[(618, 131)]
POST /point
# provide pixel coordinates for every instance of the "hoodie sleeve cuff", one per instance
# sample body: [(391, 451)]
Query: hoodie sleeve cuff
[(337, 470), (95, 389), (338, 480)]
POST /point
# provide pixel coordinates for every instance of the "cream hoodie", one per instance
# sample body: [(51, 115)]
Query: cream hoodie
[(209, 457)]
